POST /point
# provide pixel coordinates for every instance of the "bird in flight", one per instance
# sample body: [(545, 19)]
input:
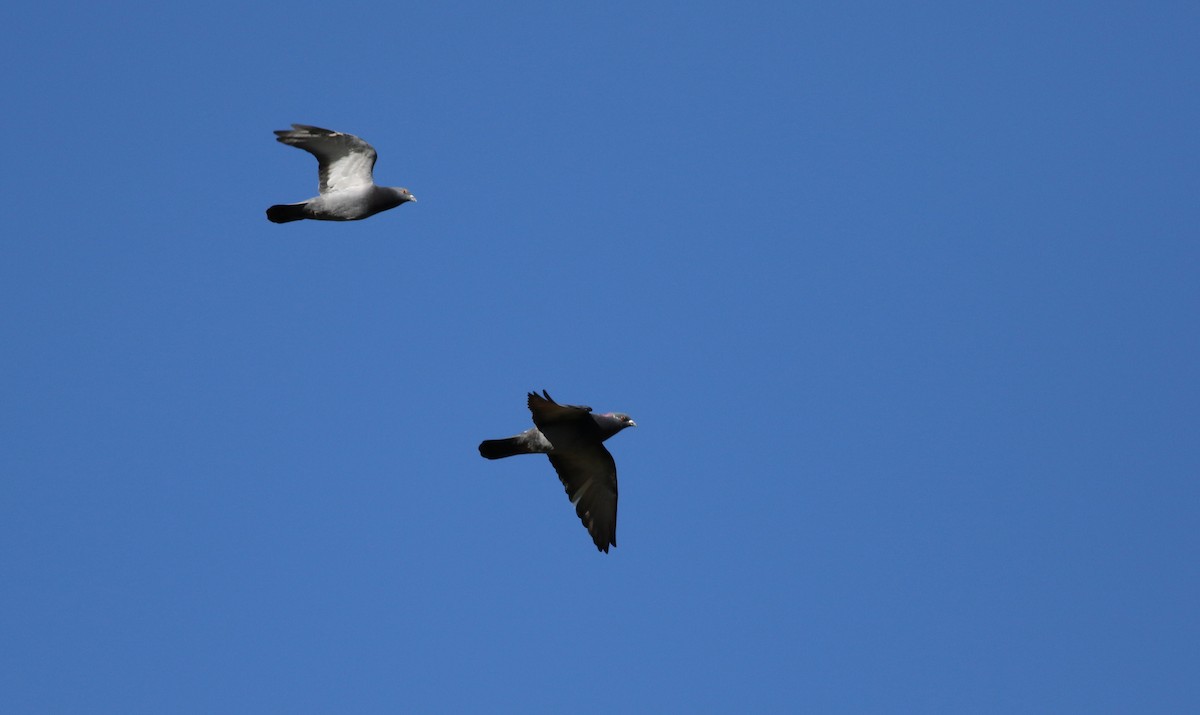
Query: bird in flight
[(573, 438), (348, 192)]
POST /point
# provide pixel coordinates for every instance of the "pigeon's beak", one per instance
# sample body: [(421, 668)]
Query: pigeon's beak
[(412, 198), (632, 423)]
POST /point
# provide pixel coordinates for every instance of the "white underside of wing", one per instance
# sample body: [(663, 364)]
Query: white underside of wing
[(350, 171)]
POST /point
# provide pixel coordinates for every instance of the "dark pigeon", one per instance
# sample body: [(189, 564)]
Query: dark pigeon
[(348, 192), (573, 438)]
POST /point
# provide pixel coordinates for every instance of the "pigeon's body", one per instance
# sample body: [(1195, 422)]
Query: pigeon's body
[(348, 190), (347, 205), (573, 438)]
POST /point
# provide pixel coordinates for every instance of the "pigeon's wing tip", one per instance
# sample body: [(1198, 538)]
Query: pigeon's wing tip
[(304, 129), (313, 129), (534, 396)]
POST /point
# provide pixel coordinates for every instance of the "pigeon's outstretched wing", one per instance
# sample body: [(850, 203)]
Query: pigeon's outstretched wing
[(590, 478), (346, 161)]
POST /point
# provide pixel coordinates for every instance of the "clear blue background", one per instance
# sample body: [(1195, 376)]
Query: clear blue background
[(904, 299)]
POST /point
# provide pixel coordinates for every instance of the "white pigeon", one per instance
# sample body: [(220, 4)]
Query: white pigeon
[(348, 192)]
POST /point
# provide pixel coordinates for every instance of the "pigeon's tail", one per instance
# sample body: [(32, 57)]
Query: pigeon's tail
[(282, 213), (500, 448)]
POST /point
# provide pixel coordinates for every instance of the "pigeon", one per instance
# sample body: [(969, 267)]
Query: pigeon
[(348, 193), (572, 437)]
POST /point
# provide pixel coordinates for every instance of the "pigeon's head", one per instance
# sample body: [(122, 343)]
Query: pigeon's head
[(614, 422), (404, 195)]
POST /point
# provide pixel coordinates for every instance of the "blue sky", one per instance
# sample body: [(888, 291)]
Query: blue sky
[(903, 299)]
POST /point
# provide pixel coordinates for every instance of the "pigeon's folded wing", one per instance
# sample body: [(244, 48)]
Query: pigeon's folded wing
[(546, 411)]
